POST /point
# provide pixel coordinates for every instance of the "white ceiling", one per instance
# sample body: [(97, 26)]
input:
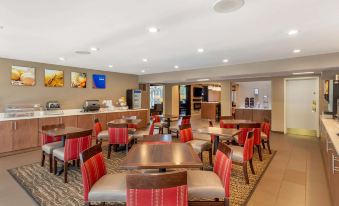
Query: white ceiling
[(44, 30)]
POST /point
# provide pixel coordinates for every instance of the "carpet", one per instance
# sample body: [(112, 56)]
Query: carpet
[(50, 190)]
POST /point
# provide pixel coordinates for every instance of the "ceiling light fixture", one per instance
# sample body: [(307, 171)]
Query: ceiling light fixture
[(176, 67), (227, 6), (302, 73), (153, 30), (225, 60), (145, 60), (142, 71), (200, 50), (296, 51), (94, 49), (202, 80), (293, 32), (62, 59)]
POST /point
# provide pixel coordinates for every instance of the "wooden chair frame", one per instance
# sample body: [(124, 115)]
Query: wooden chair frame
[(115, 146), (253, 125)]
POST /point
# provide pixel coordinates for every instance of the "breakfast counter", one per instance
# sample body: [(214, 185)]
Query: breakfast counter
[(253, 114)]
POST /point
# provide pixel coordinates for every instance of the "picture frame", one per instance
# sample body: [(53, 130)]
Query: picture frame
[(54, 78), (23, 76)]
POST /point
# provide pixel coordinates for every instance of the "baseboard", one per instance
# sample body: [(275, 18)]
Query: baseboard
[(5, 154), (278, 132)]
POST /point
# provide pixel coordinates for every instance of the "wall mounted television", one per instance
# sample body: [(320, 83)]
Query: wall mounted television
[(197, 92)]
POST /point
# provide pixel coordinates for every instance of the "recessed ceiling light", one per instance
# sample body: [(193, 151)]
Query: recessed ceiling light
[(302, 73), (110, 66), (176, 67), (202, 80), (293, 32), (200, 50), (62, 59), (296, 51), (94, 49), (145, 60), (142, 71), (225, 60), (153, 30)]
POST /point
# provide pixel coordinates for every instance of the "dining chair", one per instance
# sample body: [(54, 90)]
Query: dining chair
[(132, 127), (243, 155), (221, 138), (49, 143), (223, 125), (118, 134), (156, 120), (98, 186), (184, 120), (75, 143), (199, 146), (265, 135), (244, 129), (167, 189), (100, 134), (214, 184)]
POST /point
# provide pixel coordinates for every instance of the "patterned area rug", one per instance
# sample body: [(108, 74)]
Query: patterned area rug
[(48, 189)]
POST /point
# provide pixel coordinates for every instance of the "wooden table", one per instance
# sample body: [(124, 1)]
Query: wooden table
[(155, 138), (217, 132), (161, 156)]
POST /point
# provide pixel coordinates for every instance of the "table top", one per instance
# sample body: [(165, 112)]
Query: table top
[(170, 116), (238, 121), (156, 156), (226, 132), (62, 131), (155, 138), (125, 121)]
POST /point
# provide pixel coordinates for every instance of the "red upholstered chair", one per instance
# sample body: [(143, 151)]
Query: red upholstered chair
[(184, 120), (156, 120), (98, 185), (49, 143), (265, 135), (167, 189), (100, 134), (199, 146), (132, 128), (242, 155), (223, 125), (118, 134), (74, 144), (211, 184)]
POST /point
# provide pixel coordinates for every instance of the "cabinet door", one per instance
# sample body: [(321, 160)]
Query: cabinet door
[(239, 114), (48, 121), (248, 114), (102, 119), (258, 115), (69, 121), (26, 134), (6, 136), (113, 116), (143, 116), (86, 121)]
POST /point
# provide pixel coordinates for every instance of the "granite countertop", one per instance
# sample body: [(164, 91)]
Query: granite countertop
[(66, 112), (332, 129)]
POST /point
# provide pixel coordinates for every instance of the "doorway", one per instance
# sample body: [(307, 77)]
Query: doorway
[(302, 106), (185, 100), (156, 99)]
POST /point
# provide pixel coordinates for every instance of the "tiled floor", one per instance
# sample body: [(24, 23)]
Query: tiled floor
[(295, 177)]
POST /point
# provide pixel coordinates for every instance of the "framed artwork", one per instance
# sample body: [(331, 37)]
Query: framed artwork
[(23, 76), (78, 80), (99, 81), (54, 78)]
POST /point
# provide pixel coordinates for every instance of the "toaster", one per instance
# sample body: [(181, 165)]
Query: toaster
[(91, 105), (53, 105)]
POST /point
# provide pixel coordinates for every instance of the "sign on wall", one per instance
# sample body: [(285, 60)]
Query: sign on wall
[(99, 81)]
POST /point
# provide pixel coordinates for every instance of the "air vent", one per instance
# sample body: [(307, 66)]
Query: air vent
[(83, 52), (227, 6)]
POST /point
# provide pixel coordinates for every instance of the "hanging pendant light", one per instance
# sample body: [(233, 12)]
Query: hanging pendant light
[(227, 6)]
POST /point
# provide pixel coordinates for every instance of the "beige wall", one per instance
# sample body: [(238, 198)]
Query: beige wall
[(226, 102), (278, 104), (246, 89), (171, 100), (70, 98), (175, 100)]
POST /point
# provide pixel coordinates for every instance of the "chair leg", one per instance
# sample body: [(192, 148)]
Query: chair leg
[(177, 134), (226, 202), (259, 152), (96, 141), (210, 156), (65, 171), (78, 162), (109, 151), (115, 147), (263, 144), (244, 168), (73, 163), (55, 167), (50, 157), (251, 165), (269, 146), (126, 148), (42, 159)]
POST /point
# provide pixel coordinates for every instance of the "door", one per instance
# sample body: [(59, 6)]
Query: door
[(301, 106)]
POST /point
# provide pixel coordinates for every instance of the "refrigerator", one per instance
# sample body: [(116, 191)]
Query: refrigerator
[(133, 98)]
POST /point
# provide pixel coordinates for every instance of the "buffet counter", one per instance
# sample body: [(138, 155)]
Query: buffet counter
[(22, 133), (253, 114), (329, 144)]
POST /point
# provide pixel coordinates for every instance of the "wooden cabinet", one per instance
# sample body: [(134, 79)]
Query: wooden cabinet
[(113, 116), (69, 121), (48, 121), (6, 136), (86, 121), (258, 115), (102, 119), (25, 134), (209, 110)]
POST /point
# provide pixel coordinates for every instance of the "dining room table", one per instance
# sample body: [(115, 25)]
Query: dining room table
[(161, 157), (127, 121), (226, 133), (168, 118), (154, 138)]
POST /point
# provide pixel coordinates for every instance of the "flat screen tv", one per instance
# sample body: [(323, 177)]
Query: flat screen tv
[(197, 92)]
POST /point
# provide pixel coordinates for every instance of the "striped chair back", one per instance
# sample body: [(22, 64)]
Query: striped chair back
[(156, 189), (97, 127), (266, 129), (245, 128), (223, 166), (92, 167), (185, 120), (45, 139), (76, 143), (248, 146), (156, 118), (223, 125), (186, 133), (118, 134), (151, 129)]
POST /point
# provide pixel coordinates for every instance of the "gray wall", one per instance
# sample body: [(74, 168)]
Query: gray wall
[(70, 98)]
